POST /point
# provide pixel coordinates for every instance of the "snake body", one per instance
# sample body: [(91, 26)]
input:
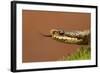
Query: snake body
[(71, 37)]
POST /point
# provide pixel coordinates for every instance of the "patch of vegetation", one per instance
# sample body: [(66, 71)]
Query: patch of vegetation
[(83, 53)]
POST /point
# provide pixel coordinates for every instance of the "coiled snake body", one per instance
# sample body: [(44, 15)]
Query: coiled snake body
[(71, 37)]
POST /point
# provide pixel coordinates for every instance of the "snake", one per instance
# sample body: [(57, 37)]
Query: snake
[(70, 37)]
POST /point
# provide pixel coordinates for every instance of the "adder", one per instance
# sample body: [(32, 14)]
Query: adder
[(70, 37)]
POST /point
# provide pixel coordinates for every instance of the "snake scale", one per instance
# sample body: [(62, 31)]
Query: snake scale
[(70, 37)]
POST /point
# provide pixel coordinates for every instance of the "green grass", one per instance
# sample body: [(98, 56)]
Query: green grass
[(83, 53)]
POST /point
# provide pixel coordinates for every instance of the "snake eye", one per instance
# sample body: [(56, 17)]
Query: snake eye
[(61, 32)]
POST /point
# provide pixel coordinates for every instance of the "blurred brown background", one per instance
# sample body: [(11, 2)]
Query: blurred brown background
[(37, 48)]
